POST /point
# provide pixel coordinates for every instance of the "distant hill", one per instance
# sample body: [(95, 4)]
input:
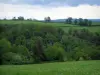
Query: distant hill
[(63, 20), (95, 20)]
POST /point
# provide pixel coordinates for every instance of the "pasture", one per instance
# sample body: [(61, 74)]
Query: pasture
[(94, 28), (57, 68)]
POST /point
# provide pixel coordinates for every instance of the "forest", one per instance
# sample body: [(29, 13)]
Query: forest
[(32, 43)]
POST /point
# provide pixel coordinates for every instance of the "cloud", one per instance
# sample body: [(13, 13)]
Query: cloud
[(39, 12), (50, 2)]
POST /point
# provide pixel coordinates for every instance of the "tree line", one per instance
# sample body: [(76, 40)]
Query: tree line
[(69, 20), (80, 21), (27, 44)]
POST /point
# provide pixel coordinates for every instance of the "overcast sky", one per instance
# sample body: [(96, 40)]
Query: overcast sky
[(56, 9)]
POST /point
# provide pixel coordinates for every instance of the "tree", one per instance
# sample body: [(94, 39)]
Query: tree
[(20, 40), (50, 38), (69, 20), (5, 19), (20, 18), (30, 19), (5, 46), (85, 22), (55, 52), (89, 23), (11, 58), (14, 18), (38, 51), (1, 28), (81, 23), (75, 21), (14, 58), (47, 19)]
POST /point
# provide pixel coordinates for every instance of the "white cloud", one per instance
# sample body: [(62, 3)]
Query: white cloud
[(39, 12)]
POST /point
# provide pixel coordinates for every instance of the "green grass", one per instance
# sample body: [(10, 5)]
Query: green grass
[(94, 28), (58, 68), (96, 23), (91, 29), (34, 23)]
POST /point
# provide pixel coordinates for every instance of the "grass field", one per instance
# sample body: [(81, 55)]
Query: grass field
[(94, 28), (91, 29), (57, 68)]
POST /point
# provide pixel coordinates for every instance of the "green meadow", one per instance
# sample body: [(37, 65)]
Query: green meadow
[(94, 28), (57, 68)]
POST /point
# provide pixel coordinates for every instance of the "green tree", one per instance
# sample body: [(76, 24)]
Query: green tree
[(20, 40), (85, 22), (50, 38), (20, 18), (20, 49), (14, 18), (69, 20), (1, 28), (5, 46), (75, 21), (11, 58), (38, 51), (47, 19), (89, 23), (55, 52), (81, 21)]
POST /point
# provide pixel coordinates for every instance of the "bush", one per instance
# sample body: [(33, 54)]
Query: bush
[(20, 49), (5, 46), (13, 58), (55, 53)]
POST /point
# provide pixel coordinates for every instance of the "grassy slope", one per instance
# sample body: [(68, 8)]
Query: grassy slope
[(91, 29), (59, 68), (94, 28)]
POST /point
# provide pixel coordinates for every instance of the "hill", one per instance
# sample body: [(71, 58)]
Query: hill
[(63, 20)]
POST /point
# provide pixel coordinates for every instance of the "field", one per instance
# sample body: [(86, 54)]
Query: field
[(94, 28), (91, 29), (57, 68)]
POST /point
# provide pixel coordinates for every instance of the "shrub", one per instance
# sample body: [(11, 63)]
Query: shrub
[(14, 58), (55, 53)]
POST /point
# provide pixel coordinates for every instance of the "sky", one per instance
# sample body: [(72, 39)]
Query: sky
[(56, 9)]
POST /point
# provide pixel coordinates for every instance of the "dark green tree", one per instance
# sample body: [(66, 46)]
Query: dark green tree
[(20, 18), (85, 22), (5, 46), (69, 20), (38, 50), (47, 19), (81, 22), (55, 52), (89, 23), (14, 18), (75, 21)]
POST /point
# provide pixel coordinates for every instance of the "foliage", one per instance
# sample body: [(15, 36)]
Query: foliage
[(34, 42), (20, 18), (69, 20), (14, 58), (55, 52), (47, 19), (75, 21)]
